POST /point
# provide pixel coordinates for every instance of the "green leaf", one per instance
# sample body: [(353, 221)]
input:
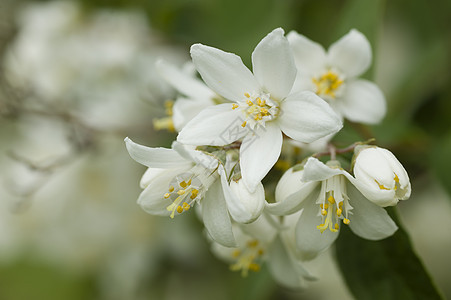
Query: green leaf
[(386, 269)]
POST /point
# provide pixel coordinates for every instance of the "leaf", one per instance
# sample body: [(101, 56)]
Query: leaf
[(386, 269)]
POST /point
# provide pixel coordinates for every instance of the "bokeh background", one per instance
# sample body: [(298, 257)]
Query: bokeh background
[(76, 77)]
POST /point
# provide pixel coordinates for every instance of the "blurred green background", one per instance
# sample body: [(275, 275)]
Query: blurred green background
[(138, 256)]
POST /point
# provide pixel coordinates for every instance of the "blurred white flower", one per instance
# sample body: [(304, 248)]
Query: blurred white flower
[(333, 75), (263, 108), (380, 176), (326, 195)]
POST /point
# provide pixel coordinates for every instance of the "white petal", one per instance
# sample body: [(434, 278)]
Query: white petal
[(216, 125), (223, 72), (351, 54), (368, 220), (258, 153), (154, 157), (289, 183), (184, 110), (216, 217), (306, 117), (244, 206), (284, 269), (151, 199), (315, 170), (198, 157), (362, 102), (273, 64), (186, 84), (309, 239), (310, 57), (149, 175), (261, 229)]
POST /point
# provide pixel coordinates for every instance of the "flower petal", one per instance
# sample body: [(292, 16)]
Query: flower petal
[(154, 157), (198, 157), (310, 57), (273, 64), (368, 220), (244, 206), (184, 83), (223, 72), (258, 153), (315, 170), (184, 110), (216, 125), (362, 102), (351, 54), (306, 117), (216, 217), (309, 239), (151, 199)]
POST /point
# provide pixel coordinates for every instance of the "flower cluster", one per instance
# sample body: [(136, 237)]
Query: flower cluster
[(235, 127)]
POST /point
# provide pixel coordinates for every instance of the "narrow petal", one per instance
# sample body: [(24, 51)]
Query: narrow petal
[(310, 57), (362, 102), (258, 153), (351, 54), (186, 84), (244, 206), (198, 157), (306, 117), (293, 202), (217, 125), (216, 217), (368, 220), (273, 64), (184, 110), (289, 183), (309, 239), (315, 170), (154, 157), (149, 176), (151, 199), (223, 72)]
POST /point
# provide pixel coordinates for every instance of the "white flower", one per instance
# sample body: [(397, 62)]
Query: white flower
[(380, 176), (326, 195), (195, 94), (263, 108), (333, 75), (259, 243), (177, 179)]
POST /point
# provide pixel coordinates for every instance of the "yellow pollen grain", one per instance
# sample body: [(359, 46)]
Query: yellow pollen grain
[(171, 189), (254, 267), (339, 211), (187, 206), (179, 209), (236, 253), (396, 178), (249, 102), (252, 244), (346, 221), (181, 192), (324, 212), (337, 226), (247, 95), (167, 195), (194, 193), (258, 117), (340, 204), (331, 200), (244, 124), (183, 184), (234, 106)]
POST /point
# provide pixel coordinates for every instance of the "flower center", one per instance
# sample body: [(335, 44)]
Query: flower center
[(187, 188), (257, 109), (248, 257), (333, 203), (328, 84)]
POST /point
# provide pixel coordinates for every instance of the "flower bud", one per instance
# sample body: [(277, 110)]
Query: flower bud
[(380, 176)]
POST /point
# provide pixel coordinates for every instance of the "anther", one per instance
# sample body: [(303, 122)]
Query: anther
[(346, 221), (244, 124), (324, 212), (171, 189), (181, 192), (166, 196), (247, 95), (339, 211), (337, 226), (234, 106), (331, 200), (179, 209)]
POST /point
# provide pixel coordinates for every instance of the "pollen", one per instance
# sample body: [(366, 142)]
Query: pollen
[(179, 209), (244, 124), (171, 189), (236, 253), (331, 200), (346, 221), (194, 193), (247, 95), (328, 84), (324, 212), (337, 226), (339, 211), (166, 196), (235, 106), (181, 192)]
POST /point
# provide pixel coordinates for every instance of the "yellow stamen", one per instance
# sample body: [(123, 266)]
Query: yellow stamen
[(339, 211), (194, 193), (244, 124), (337, 226), (331, 199), (179, 209), (236, 253), (252, 244), (254, 267), (346, 221), (171, 189), (234, 106), (167, 195), (181, 192), (247, 95), (324, 212), (183, 184), (249, 102)]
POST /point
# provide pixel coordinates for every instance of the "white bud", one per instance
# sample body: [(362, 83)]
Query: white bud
[(380, 176)]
